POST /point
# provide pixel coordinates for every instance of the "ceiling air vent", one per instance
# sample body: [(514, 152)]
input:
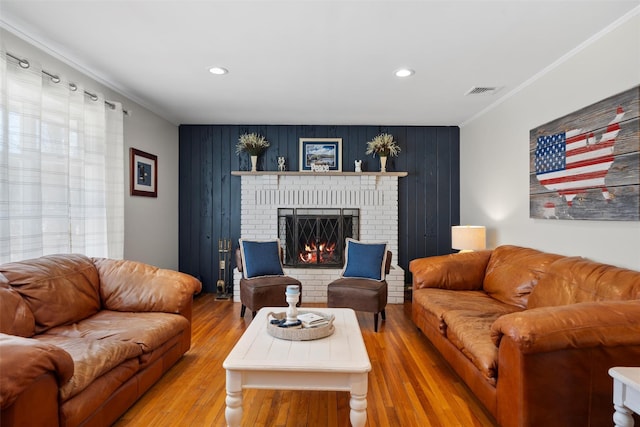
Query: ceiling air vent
[(482, 90)]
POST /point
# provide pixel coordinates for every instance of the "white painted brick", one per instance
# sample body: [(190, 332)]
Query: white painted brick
[(376, 196)]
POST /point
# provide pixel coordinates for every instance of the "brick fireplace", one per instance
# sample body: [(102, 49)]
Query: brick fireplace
[(374, 195)]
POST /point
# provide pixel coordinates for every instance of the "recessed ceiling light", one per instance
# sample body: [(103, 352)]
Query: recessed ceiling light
[(404, 72), (218, 71)]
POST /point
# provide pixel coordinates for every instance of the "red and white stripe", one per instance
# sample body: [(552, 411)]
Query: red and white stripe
[(587, 162)]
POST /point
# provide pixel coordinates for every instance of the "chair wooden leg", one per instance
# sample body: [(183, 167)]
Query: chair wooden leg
[(242, 310), (375, 322), (253, 314), (384, 315)]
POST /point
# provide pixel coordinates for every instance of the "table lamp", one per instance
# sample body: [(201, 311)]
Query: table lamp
[(468, 238)]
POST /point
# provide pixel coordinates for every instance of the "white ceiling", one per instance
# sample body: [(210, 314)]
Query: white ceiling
[(311, 61)]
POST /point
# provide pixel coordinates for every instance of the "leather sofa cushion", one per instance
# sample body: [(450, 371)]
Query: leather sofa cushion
[(513, 272), (575, 279), (91, 358), (148, 330), (59, 289), (23, 360), (470, 332), (462, 271), (437, 302), (134, 286), (102, 342), (15, 316), (88, 408)]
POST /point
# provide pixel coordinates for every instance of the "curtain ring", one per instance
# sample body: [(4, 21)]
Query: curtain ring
[(21, 61), (52, 77), (73, 87)]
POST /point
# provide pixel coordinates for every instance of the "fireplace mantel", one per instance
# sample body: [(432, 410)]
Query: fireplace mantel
[(290, 173)]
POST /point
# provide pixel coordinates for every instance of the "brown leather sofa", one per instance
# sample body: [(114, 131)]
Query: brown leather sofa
[(532, 334), (82, 339)]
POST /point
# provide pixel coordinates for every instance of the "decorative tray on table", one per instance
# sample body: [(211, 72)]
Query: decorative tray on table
[(311, 325)]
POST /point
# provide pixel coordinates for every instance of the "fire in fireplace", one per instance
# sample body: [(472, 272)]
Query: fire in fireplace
[(315, 238), (320, 253)]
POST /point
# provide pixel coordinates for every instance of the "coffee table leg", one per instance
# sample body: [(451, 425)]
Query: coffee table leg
[(358, 401), (622, 417), (233, 412)]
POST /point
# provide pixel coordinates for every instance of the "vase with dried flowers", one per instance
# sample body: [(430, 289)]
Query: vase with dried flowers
[(254, 145), (383, 145)]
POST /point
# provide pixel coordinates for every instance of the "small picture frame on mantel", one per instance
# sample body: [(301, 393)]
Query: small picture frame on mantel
[(320, 154), (143, 174)]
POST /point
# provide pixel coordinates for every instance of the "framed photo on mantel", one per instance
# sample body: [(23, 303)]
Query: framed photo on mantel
[(320, 154), (143, 174)]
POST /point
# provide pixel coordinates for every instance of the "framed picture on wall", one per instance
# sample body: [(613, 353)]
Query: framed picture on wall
[(584, 165), (320, 154), (143, 175)]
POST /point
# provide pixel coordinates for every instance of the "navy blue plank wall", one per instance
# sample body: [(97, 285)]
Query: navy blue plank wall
[(429, 197)]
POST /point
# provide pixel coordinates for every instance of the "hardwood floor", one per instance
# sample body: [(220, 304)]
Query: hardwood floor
[(410, 383)]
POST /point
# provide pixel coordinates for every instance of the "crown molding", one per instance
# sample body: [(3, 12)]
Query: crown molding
[(591, 40)]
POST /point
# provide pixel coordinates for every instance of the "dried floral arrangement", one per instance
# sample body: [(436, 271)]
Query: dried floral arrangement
[(383, 145), (252, 143)]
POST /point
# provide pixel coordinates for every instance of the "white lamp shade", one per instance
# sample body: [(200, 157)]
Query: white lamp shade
[(468, 237)]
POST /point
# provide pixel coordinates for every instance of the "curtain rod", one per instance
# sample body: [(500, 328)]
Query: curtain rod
[(54, 78)]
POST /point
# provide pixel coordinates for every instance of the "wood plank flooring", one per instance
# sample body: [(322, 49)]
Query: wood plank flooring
[(410, 383)]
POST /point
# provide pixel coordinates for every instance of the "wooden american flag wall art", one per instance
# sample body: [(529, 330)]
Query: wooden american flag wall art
[(586, 165)]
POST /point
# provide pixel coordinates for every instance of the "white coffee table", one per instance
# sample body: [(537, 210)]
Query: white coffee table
[(626, 394), (339, 362)]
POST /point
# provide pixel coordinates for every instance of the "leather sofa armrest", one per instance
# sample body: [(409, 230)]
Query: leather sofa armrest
[(134, 286), (23, 361), (574, 326), (461, 271)]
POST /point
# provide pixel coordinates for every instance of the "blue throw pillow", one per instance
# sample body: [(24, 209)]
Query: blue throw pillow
[(365, 260), (261, 258)]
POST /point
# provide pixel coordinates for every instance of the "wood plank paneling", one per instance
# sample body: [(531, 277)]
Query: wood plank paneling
[(429, 201)]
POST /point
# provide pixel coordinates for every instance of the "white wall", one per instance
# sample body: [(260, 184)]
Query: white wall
[(151, 225), (494, 158)]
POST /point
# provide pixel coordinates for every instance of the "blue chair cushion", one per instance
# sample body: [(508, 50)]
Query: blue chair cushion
[(260, 258), (365, 260)]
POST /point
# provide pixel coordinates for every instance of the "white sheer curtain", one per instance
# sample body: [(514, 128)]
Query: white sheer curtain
[(61, 168)]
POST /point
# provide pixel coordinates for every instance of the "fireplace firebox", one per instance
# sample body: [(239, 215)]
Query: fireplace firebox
[(315, 237)]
